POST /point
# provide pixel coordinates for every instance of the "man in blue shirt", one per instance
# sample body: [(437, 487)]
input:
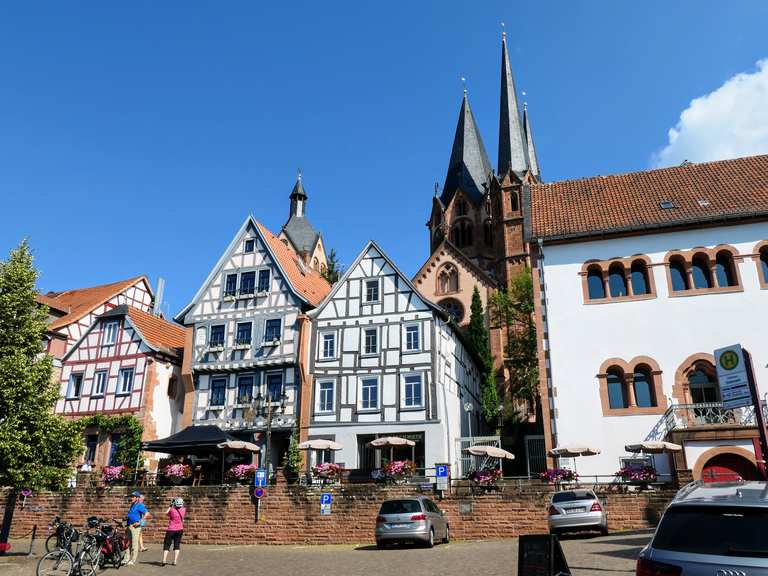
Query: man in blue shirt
[(136, 513)]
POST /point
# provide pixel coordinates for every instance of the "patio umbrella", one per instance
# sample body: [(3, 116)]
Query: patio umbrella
[(392, 441), (489, 451), (649, 447), (238, 446), (320, 444), (573, 451)]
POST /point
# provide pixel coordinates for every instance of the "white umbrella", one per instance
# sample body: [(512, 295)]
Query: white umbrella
[(392, 441), (319, 444), (573, 451), (238, 446), (490, 451), (650, 447)]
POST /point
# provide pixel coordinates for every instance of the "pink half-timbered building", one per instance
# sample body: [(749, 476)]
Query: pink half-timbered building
[(128, 361)]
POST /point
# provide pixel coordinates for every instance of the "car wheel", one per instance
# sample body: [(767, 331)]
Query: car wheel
[(447, 537), (604, 530), (554, 532), (381, 544), (430, 543)]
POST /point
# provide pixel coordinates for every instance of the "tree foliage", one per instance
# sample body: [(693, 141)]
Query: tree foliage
[(129, 428), (293, 457), (479, 339), (512, 309), (37, 448), (333, 269)]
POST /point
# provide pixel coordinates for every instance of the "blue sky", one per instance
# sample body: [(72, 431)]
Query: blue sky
[(135, 137)]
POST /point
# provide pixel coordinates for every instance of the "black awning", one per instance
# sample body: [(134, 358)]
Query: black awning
[(191, 440)]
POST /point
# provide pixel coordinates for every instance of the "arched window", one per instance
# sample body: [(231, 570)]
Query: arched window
[(764, 263), (488, 233), (616, 396), (617, 281), (461, 234), (640, 278), (454, 308), (702, 384), (725, 269), (461, 207), (447, 279), (643, 385), (514, 202), (678, 274), (315, 264), (595, 286), (702, 278)]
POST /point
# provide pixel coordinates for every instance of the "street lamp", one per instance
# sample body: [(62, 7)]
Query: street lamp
[(264, 409), (468, 407)]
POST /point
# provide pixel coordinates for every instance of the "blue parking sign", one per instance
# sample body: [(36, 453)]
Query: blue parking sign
[(326, 499), (260, 478), (441, 471)]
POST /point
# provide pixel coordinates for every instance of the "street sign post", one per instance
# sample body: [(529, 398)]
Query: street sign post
[(732, 376), (260, 478), (326, 499), (442, 476)]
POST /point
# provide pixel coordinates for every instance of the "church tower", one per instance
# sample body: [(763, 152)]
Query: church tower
[(299, 234)]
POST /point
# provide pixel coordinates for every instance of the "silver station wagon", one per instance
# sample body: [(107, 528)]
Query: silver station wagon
[(717, 529), (573, 510), (416, 519)]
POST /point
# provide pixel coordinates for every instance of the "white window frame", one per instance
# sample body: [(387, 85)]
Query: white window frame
[(319, 407), (323, 355), (95, 392), (360, 407), (363, 351), (71, 385), (110, 329), (403, 387), (365, 290), (121, 391), (418, 337)]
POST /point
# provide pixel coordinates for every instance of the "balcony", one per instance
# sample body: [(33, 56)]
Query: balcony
[(684, 416)]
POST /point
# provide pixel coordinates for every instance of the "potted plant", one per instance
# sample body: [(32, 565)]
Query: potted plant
[(112, 474), (328, 471), (177, 473), (559, 475), (293, 459), (639, 475), (399, 470), (242, 473), (485, 479)]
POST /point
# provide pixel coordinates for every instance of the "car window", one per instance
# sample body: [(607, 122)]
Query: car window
[(400, 507), (571, 495), (715, 530), (430, 506)]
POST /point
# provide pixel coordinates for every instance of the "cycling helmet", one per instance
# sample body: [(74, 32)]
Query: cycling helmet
[(93, 522), (178, 502)]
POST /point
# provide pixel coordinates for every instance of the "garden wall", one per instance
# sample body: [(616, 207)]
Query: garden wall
[(291, 514)]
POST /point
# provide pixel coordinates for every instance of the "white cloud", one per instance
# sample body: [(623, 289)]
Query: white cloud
[(730, 122)]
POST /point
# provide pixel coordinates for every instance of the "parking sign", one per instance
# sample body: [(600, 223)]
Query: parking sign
[(442, 473), (260, 478), (326, 499)]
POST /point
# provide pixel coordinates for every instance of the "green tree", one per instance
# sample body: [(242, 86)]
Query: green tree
[(37, 448), (293, 457), (478, 337), (333, 269)]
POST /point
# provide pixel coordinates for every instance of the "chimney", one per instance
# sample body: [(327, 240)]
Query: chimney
[(157, 309)]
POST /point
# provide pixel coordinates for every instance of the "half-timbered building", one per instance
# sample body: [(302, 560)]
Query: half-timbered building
[(127, 361), (386, 361), (247, 319)]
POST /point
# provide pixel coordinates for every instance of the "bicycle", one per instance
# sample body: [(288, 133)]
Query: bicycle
[(60, 530), (63, 562)]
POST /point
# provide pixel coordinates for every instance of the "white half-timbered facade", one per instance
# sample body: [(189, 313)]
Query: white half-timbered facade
[(388, 362), (246, 333)]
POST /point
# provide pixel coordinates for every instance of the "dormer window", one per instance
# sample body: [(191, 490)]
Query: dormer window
[(250, 245), (110, 333)]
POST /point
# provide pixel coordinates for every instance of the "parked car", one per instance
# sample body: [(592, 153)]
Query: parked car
[(711, 529), (573, 510), (416, 519)]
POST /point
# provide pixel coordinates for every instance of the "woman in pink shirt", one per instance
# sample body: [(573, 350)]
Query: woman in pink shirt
[(176, 512)]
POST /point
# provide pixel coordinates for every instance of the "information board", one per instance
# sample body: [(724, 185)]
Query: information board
[(541, 555), (732, 377)]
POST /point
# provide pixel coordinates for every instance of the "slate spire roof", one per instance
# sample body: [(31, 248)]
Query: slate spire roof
[(469, 167), (512, 147), (530, 148), (301, 234)]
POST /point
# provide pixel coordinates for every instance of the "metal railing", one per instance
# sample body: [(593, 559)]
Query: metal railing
[(681, 416)]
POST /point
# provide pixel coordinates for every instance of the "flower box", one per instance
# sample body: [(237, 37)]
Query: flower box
[(271, 343), (327, 471), (177, 473), (641, 475), (112, 474), (242, 473), (487, 478), (559, 475), (399, 470)]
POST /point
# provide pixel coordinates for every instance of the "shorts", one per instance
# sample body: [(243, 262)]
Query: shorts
[(172, 537)]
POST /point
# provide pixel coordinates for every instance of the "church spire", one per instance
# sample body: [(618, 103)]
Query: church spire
[(469, 167), (298, 199), (511, 144), (533, 161)]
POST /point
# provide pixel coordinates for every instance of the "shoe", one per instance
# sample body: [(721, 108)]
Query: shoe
[(173, 564), (130, 563), (143, 549)]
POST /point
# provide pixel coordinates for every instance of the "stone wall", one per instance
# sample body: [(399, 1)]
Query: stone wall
[(291, 514)]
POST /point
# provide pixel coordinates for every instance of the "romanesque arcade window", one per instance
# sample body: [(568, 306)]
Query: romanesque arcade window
[(447, 279), (630, 388), (762, 264), (617, 280), (703, 271)]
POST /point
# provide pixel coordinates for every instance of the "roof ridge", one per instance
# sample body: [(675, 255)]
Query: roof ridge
[(95, 287)]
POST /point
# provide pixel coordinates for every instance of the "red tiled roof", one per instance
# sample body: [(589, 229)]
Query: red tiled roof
[(52, 304), (624, 203), (80, 301), (158, 332), (304, 279)]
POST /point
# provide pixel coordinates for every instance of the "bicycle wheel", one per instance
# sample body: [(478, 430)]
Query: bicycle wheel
[(52, 542), (85, 565), (56, 563)]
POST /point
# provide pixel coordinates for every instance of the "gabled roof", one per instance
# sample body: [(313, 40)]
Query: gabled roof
[(686, 195), (82, 301), (450, 247), (305, 282), (469, 167), (512, 148), (56, 308)]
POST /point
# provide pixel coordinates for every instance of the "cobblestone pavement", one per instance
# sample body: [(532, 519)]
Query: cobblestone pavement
[(614, 555)]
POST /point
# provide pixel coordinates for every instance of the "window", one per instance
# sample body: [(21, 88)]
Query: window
[(243, 333), (218, 391), (264, 281), (91, 443), (369, 394), (371, 291), (272, 330), (125, 381), (114, 449), (412, 396), (454, 309), (514, 204), (678, 274), (99, 383), (639, 275), (595, 286), (247, 282), (75, 386), (250, 244), (703, 385), (329, 345), (275, 386), (448, 279), (412, 337), (461, 234), (230, 287), (617, 281), (244, 389), (217, 336), (371, 341), (725, 270), (643, 386), (110, 333), (702, 278), (461, 207), (326, 396), (616, 396), (764, 264), (488, 234)]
